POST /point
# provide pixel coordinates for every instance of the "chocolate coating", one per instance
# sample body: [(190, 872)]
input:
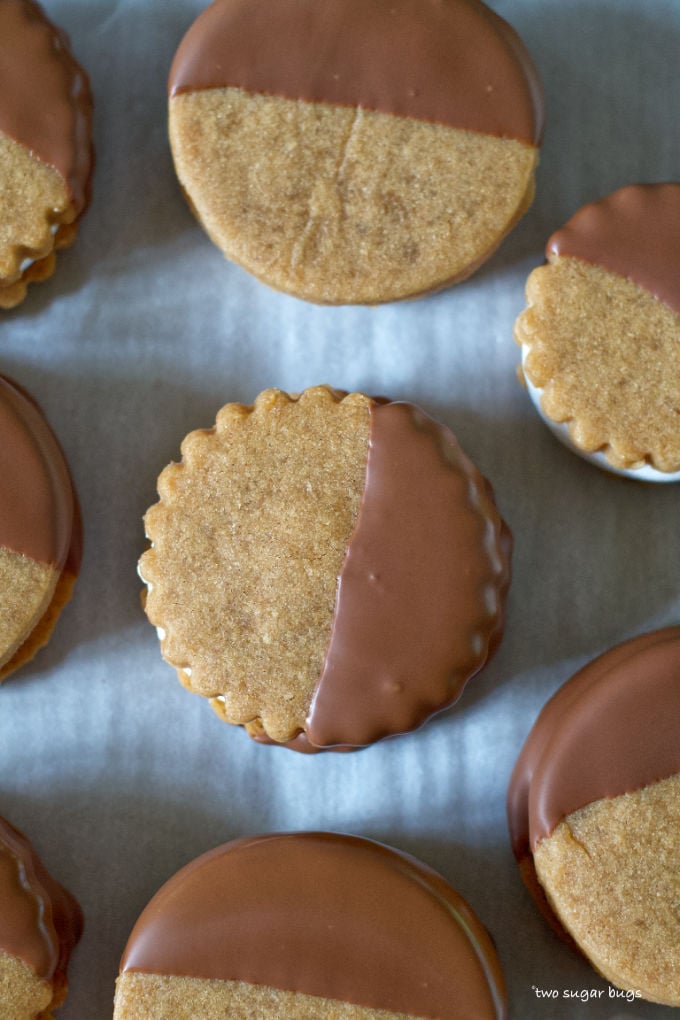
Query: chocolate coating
[(610, 730), (634, 232), (45, 101), (40, 922), (455, 63), (38, 511), (335, 916), (420, 601)]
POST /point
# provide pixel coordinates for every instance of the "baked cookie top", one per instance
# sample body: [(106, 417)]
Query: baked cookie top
[(327, 566), (333, 916), (45, 101)]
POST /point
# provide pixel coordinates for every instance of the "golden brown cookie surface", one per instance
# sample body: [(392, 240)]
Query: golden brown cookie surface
[(594, 811), (45, 146), (328, 925), (40, 530), (611, 872), (40, 923), (384, 152), (601, 334), (327, 566)]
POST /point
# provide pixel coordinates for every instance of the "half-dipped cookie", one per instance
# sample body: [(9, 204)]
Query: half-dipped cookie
[(601, 335), (355, 151), (594, 813), (40, 529), (316, 926), (40, 923), (45, 146), (326, 569)]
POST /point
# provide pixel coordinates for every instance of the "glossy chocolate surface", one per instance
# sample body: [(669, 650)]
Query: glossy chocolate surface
[(45, 101), (634, 232), (455, 62), (610, 730), (420, 602), (335, 916), (38, 512), (40, 922)]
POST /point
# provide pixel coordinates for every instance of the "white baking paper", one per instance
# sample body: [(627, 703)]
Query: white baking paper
[(117, 774)]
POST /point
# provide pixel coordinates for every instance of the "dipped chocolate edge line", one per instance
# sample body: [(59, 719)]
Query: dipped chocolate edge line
[(372, 683), (186, 931), (69, 151), (589, 684), (32, 427), (634, 233), (489, 85)]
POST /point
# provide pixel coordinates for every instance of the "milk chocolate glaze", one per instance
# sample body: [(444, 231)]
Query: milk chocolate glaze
[(40, 922), (39, 517), (610, 730), (45, 100), (635, 232), (453, 62), (323, 914), (421, 593)]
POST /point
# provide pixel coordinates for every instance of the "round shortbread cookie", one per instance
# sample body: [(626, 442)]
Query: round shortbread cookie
[(40, 923), (594, 813), (45, 146), (312, 926), (40, 529), (327, 569), (382, 152), (601, 335)]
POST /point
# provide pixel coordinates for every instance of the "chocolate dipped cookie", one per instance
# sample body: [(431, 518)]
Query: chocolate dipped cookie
[(45, 146), (40, 529), (40, 923), (316, 926), (326, 569), (355, 151), (594, 814), (601, 335)]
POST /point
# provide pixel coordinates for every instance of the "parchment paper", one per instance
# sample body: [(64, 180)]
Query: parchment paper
[(116, 773)]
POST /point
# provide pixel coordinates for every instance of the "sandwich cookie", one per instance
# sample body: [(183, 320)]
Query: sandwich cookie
[(600, 337), (327, 569), (355, 151), (45, 146), (310, 925), (40, 529), (594, 813)]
